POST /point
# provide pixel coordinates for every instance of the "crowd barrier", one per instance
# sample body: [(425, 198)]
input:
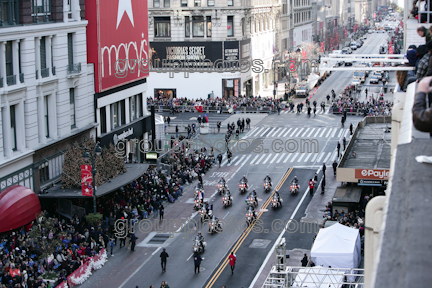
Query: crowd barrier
[(81, 274), (214, 109)]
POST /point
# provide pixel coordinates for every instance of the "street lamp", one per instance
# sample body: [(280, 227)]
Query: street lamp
[(97, 152)]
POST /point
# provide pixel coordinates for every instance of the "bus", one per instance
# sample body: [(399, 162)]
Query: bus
[(360, 75)]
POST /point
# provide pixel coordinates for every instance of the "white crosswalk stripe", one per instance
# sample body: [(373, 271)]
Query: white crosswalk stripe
[(281, 157), (319, 158), (309, 155), (282, 131), (299, 132), (328, 157), (239, 160), (232, 161), (268, 157), (274, 158), (333, 132), (301, 157), (311, 132), (253, 160), (346, 133), (251, 132), (295, 156), (294, 132), (286, 133), (322, 132), (271, 132), (259, 159), (263, 132), (245, 158), (304, 133), (340, 133), (286, 159), (274, 132), (314, 157)]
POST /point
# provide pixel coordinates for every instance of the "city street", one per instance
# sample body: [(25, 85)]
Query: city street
[(282, 146)]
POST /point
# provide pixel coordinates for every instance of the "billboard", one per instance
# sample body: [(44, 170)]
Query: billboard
[(245, 49), (231, 51), (117, 41), (184, 52), (372, 174), (86, 180)]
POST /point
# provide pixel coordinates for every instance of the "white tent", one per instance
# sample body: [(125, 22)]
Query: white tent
[(337, 246)]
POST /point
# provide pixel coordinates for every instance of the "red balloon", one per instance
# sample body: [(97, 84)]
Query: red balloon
[(19, 206)]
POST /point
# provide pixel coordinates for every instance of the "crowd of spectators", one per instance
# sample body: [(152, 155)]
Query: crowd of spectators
[(216, 103), (22, 263), (374, 106)]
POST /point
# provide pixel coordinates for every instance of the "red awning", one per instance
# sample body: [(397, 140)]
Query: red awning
[(19, 205)]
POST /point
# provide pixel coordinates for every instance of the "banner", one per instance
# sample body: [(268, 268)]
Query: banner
[(62, 285), (372, 174), (80, 275), (322, 47), (86, 180)]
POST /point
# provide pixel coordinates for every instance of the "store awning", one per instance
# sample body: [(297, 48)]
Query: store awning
[(19, 206)]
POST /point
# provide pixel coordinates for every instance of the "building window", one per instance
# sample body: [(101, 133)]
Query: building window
[(162, 26), (72, 107), (156, 3), (46, 116), (210, 3), (197, 3), (9, 59), (43, 52), (103, 120), (187, 26), (41, 7), (44, 172), (132, 108), (114, 115), (197, 26), (166, 3), (13, 127), (309, 15), (184, 3), (9, 12), (209, 26), (243, 26), (70, 49), (122, 112), (230, 26), (230, 2)]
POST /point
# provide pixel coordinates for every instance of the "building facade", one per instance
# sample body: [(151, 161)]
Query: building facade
[(46, 89), (222, 32)]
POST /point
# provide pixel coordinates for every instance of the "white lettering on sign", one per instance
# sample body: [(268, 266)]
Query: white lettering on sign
[(376, 173)]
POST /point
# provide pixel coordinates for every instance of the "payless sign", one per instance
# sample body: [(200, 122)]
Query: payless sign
[(372, 174), (117, 33)]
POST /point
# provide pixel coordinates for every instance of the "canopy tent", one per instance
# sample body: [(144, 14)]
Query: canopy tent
[(337, 246), (19, 206)]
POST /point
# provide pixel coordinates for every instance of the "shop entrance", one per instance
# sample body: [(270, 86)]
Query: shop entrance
[(230, 87)]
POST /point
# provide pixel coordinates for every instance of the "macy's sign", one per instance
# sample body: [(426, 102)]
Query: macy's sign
[(377, 174)]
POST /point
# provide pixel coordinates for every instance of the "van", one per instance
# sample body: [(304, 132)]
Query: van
[(353, 46)]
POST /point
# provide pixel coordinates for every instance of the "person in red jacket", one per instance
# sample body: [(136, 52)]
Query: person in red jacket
[(311, 186), (232, 259)]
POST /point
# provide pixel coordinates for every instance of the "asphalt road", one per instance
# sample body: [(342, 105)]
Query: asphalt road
[(262, 151)]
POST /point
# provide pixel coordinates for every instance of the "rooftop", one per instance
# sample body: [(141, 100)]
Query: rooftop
[(372, 147)]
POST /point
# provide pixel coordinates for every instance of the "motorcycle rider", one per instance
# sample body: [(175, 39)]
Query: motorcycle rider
[(268, 178), (251, 209), (228, 194), (200, 239), (295, 181), (277, 195), (245, 180), (222, 181)]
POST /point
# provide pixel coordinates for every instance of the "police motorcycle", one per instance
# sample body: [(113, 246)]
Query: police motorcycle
[(252, 199), (267, 184), (227, 199), (199, 244), (222, 186), (276, 201), (205, 213), (294, 187), (214, 225), (250, 215), (243, 187)]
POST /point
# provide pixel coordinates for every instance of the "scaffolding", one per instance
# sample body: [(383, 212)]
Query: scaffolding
[(314, 277)]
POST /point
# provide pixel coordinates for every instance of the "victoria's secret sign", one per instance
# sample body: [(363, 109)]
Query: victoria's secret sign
[(117, 32)]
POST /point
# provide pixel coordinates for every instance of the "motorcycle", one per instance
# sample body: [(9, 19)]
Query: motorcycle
[(252, 201), (276, 203), (294, 188), (250, 218), (214, 226), (197, 247), (198, 204), (203, 214), (267, 186), (226, 201), (221, 188), (242, 187)]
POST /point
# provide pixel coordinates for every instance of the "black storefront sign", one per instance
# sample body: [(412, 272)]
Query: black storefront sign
[(184, 52), (133, 130), (231, 51), (362, 182)]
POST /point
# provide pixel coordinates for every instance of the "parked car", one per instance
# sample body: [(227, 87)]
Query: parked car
[(365, 37), (374, 79), (370, 31), (353, 46), (346, 50)]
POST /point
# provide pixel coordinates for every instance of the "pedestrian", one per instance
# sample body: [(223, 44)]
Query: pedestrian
[(164, 284), (305, 260), (133, 239), (161, 211), (112, 245), (351, 129), (334, 168), (344, 143), (164, 255), (322, 185), (324, 168), (168, 120), (338, 148), (122, 241), (232, 259), (177, 131), (197, 262), (219, 125), (311, 186), (200, 178), (366, 92), (219, 158)]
